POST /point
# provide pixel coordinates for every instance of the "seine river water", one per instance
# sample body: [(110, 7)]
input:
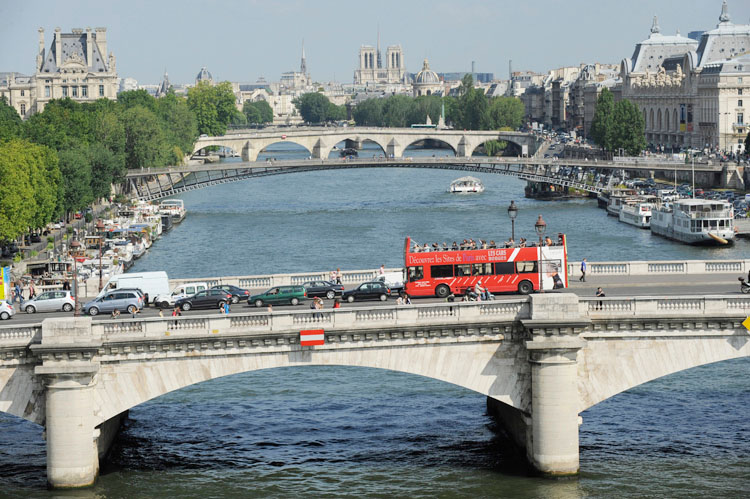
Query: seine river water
[(338, 431)]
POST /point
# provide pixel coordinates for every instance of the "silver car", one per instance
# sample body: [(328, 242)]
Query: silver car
[(128, 301), (6, 310), (51, 301)]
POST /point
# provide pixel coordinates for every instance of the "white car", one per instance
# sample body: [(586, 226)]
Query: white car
[(183, 291), (6, 310), (50, 301)]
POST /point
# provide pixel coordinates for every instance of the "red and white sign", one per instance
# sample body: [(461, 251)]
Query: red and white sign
[(310, 337)]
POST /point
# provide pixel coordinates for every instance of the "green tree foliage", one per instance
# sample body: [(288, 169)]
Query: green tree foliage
[(747, 144), (16, 192), (76, 169), (369, 113), (213, 106), (396, 110), (423, 106), (107, 168), (315, 107), (46, 182), (133, 98), (10, 122), (144, 139), (178, 122), (505, 112), (63, 124), (601, 126), (628, 128), (257, 112)]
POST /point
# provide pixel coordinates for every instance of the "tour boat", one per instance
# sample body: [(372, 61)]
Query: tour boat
[(616, 202), (637, 212), (695, 221), (175, 207), (466, 185)]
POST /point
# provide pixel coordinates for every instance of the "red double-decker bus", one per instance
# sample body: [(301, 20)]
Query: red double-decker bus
[(522, 270)]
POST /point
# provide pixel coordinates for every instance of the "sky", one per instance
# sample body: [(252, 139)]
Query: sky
[(244, 40)]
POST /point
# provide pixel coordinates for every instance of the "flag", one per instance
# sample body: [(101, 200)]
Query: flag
[(309, 337)]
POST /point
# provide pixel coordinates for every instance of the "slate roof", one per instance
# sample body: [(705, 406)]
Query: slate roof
[(74, 45)]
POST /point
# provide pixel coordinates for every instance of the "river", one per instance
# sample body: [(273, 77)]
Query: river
[(339, 431)]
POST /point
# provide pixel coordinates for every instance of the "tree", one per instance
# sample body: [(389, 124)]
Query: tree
[(144, 142), (335, 113), (46, 181), (258, 112), (133, 98), (628, 128), (266, 112), (601, 125), (747, 144), (313, 107), (178, 122), (213, 106), (396, 110), (369, 113), (63, 124), (505, 112), (107, 168), (11, 125), (17, 210), (76, 170), (423, 106)]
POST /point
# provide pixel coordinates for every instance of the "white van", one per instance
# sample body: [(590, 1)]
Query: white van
[(181, 291), (151, 283), (394, 281)]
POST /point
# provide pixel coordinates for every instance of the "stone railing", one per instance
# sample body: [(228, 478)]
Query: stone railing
[(360, 318), (666, 307), (666, 267), (348, 277)]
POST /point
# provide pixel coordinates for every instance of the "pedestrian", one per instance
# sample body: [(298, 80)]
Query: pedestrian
[(17, 294), (318, 305), (583, 271), (600, 294), (381, 271), (225, 308), (66, 286), (338, 276), (116, 313), (161, 313), (176, 311), (32, 291), (337, 303)]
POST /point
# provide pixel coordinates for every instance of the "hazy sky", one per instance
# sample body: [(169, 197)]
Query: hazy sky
[(243, 40)]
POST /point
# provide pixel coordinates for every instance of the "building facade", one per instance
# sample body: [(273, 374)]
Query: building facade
[(372, 70), (76, 65)]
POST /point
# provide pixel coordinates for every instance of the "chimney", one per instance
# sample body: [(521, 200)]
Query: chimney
[(89, 48), (101, 41), (58, 47), (40, 55)]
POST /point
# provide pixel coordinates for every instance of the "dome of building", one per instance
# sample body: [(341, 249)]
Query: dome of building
[(204, 75), (426, 76)]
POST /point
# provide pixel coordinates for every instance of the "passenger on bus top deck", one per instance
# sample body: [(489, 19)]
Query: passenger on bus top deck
[(492, 244), (455, 246), (435, 247), (445, 246), (522, 243), (547, 241)]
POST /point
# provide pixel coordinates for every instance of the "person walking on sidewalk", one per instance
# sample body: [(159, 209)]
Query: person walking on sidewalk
[(583, 271)]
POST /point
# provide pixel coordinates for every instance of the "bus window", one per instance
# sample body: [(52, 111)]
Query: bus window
[(463, 270), (504, 268), (441, 271), (482, 269), (415, 274), (526, 267)]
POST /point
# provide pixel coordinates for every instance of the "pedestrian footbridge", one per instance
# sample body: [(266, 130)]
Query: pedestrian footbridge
[(541, 360)]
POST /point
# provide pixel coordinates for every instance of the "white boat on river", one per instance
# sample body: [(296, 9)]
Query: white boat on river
[(695, 221), (466, 185)]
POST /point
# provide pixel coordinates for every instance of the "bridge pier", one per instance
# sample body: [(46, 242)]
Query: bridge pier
[(69, 376)]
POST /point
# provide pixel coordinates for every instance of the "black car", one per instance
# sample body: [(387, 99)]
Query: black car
[(323, 289), (208, 298), (368, 291), (238, 294)]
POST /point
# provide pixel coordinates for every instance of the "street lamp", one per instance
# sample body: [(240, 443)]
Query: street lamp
[(74, 245), (540, 227), (513, 213)]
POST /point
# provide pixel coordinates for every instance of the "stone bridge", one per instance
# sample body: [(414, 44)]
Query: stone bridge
[(541, 360), (393, 141)]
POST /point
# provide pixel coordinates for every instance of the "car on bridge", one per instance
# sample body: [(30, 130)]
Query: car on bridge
[(51, 301), (208, 298), (238, 294), (6, 310), (374, 290), (279, 295), (129, 300), (323, 289)]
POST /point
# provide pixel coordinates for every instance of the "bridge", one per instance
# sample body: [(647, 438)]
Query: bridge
[(320, 141), (541, 359), (157, 183)]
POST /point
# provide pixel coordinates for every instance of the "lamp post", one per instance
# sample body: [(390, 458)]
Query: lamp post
[(513, 213), (74, 245), (100, 230), (540, 227)]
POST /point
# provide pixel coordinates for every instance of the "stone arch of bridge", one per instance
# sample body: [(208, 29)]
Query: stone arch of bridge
[(609, 367), (326, 150), (255, 146), (397, 148), (488, 368), (229, 144), (512, 145)]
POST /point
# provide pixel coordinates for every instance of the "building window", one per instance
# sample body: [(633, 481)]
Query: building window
[(739, 91), (101, 90), (740, 119), (84, 91), (65, 91), (739, 79), (23, 93), (23, 109), (46, 91), (75, 91), (739, 103)]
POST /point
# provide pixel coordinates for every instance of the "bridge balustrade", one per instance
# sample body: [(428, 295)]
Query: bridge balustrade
[(664, 267), (677, 306)]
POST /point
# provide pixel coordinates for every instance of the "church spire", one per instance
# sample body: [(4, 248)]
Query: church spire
[(380, 62), (303, 62)]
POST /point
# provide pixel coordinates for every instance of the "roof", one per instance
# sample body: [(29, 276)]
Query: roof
[(203, 74), (426, 76), (73, 47), (467, 179)]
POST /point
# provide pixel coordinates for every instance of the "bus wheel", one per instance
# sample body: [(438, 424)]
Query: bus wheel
[(442, 291), (525, 287)]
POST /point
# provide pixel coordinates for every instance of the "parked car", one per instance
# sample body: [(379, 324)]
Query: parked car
[(6, 310), (279, 295), (51, 301), (238, 294), (208, 298), (322, 289), (182, 291), (368, 291), (128, 300), (393, 281)]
